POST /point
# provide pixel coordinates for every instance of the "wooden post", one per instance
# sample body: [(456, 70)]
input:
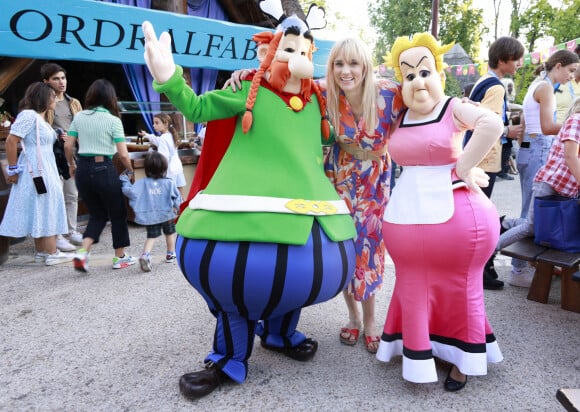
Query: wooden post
[(10, 69), (435, 18)]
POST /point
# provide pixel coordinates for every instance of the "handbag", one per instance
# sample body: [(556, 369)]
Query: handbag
[(38, 181), (557, 223)]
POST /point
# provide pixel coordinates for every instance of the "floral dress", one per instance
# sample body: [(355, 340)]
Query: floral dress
[(364, 184)]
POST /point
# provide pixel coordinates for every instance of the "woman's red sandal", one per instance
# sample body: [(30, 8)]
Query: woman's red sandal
[(352, 337)]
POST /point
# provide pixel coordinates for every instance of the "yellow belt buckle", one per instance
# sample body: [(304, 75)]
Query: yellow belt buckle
[(316, 207)]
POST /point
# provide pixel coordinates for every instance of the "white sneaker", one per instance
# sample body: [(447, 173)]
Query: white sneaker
[(75, 238), (123, 262), (58, 257), (40, 257), (64, 245), (145, 262), (521, 277)]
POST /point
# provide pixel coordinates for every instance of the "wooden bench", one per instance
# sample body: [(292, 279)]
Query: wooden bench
[(546, 259), (569, 398)]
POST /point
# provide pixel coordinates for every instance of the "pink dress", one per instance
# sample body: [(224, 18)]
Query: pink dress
[(437, 307)]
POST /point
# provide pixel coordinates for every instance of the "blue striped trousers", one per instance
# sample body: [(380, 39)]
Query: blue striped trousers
[(259, 288)]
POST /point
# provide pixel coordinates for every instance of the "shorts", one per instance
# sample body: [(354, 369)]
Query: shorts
[(154, 231)]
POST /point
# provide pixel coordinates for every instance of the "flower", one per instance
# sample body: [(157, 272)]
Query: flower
[(5, 119)]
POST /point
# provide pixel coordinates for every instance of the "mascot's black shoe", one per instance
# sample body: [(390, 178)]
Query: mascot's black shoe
[(303, 352), (197, 384), (451, 385)]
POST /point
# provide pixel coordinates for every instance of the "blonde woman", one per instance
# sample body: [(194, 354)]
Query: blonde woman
[(362, 110)]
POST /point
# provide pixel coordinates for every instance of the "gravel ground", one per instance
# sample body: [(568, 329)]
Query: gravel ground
[(119, 341)]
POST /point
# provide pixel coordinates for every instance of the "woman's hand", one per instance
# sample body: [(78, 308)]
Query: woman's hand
[(158, 54), (12, 174), (72, 169), (12, 179)]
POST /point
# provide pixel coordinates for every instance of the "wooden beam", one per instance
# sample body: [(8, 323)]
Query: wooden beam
[(10, 69)]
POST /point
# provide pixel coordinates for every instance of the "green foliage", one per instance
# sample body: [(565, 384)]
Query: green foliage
[(541, 19), (522, 80), (305, 4), (462, 23), (565, 25), (459, 22), (394, 18), (515, 23), (452, 86), (535, 22)]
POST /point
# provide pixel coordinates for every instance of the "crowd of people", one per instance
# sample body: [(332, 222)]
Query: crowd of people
[(277, 209)]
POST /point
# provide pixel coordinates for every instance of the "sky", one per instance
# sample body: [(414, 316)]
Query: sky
[(355, 13)]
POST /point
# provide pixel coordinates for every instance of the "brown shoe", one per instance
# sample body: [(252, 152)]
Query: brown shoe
[(198, 384), (302, 352)]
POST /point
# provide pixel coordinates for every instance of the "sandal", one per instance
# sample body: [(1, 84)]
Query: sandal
[(370, 343), (352, 337)]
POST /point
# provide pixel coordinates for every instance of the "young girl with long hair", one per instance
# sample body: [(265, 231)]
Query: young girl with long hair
[(539, 108), (167, 143)]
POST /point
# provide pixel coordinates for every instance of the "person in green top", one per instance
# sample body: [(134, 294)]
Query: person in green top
[(269, 235)]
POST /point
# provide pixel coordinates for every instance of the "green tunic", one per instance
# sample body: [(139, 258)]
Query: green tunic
[(281, 157)]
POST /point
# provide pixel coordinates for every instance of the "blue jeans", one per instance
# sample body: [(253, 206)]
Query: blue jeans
[(100, 188), (521, 228), (529, 161)]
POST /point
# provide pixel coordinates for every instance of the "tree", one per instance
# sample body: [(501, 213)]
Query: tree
[(460, 22), (395, 18), (293, 7), (536, 21), (541, 20), (515, 18), (305, 5), (452, 86), (565, 25)]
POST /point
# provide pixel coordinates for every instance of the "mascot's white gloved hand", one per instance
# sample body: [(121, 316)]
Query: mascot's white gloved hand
[(475, 178), (158, 54)]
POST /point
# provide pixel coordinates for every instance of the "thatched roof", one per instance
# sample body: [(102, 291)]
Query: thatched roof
[(457, 56)]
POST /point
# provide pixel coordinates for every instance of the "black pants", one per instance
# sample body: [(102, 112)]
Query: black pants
[(100, 188)]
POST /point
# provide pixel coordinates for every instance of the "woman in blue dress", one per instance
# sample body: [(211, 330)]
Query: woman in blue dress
[(29, 211)]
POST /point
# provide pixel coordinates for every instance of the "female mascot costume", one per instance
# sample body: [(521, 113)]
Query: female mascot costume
[(438, 229)]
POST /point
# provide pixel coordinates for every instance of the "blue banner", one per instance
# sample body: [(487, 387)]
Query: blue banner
[(88, 30)]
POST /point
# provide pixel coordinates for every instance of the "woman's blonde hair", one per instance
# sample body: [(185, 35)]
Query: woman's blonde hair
[(574, 107), (427, 40), (352, 49)]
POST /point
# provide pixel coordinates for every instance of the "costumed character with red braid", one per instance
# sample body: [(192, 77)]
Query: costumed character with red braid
[(268, 235), (439, 227)]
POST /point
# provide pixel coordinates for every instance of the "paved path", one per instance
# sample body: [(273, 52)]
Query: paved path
[(119, 340)]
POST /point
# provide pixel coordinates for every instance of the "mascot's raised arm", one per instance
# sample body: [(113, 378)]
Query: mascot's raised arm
[(268, 235)]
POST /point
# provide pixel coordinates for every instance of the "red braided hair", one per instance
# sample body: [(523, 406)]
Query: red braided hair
[(260, 38), (324, 124)]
